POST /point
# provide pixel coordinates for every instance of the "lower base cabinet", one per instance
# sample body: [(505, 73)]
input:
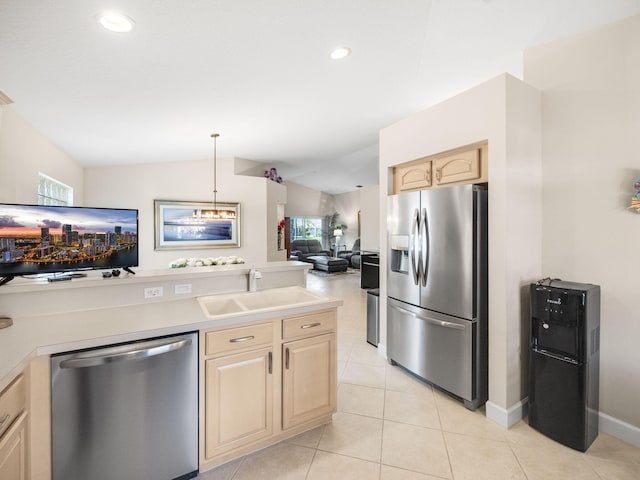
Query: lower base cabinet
[(239, 406), (308, 379), (13, 451), (264, 382)]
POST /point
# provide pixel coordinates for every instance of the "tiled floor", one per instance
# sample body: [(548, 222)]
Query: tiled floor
[(389, 426)]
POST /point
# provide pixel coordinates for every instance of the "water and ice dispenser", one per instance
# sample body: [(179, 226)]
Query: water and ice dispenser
[(564, 361)]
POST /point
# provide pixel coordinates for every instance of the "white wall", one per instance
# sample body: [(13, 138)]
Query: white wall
[(591, 119), (275, 204), (307, 202), (347, 206), (505, 112), (24, 152), (370, 229), (137, 186)]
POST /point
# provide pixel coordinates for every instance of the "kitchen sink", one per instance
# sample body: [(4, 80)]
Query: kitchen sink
[(234, 304)]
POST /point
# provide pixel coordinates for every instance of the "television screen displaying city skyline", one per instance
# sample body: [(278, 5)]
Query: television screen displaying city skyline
[(48, 239)]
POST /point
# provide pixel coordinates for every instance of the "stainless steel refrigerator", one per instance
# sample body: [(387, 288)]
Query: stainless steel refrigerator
[(437, 288)]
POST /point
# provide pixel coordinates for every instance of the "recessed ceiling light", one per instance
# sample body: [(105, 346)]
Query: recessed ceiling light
[(115, 22), (339, 53)]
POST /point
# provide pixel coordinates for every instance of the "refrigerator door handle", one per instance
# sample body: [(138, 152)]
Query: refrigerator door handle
[(424, 247), (432, 321), (412, 246)]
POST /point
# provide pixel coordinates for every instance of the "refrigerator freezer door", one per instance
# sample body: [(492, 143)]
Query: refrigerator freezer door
[(403, 271), (449, 257), (436, 347)]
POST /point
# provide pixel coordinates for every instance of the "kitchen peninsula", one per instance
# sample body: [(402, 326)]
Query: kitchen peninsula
[(295, 335)]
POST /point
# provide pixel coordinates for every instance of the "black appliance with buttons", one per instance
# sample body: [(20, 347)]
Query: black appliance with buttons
[(564, 361)]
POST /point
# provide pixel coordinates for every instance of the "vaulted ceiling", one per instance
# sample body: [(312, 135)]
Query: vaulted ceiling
[(258, 72)]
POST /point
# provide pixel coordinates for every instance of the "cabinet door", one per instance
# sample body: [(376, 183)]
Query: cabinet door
[(460, 167), (13, 451), (412, 176), (308, 379), (238, 400)]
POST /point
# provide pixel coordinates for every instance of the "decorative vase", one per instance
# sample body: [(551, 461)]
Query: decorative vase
[(279, 239)]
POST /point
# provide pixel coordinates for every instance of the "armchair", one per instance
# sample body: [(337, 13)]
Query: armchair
[(353, 255)]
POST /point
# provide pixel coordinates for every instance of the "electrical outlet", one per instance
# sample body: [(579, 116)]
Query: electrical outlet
[(182, 289), (153, 292)]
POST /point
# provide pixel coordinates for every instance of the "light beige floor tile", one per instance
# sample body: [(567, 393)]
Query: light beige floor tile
[(474, 458), (455, 418), (607, 447), (331, 466), (542, 463), (344, 352), (365, 353), (415, 448), (282, 461), (400, 380), (394, 473), (361, 400), (411, 408), (223, 472), (522, 434), (354, 436), (612, 470), (308, 439), (362, 374)]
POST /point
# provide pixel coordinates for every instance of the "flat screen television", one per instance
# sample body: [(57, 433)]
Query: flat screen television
[(37, 239)]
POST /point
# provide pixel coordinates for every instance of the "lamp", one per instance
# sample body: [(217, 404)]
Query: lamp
[(337, 233)]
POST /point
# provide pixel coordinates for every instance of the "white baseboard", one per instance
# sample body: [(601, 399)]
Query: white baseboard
[(382, 350), (619, 429), (504, 417), (607, 424)]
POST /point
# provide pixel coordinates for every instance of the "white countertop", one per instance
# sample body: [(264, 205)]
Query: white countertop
[(47, 334)]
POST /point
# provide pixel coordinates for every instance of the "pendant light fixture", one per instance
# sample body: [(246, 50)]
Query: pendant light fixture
[(215, 212), (215, 169)]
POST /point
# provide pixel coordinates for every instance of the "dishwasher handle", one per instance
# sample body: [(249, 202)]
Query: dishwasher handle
[(124, 353)]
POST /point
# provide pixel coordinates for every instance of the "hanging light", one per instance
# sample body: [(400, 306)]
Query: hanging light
[(215, 212)]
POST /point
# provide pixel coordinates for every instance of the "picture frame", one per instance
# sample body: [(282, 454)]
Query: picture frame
[(181, 225)]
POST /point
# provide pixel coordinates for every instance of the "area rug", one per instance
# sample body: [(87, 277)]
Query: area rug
[(320, 273)]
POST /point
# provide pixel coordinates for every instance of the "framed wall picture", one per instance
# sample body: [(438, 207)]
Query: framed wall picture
[(191, 225)]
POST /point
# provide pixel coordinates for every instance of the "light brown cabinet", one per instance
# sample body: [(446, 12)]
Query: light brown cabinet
[(412, 176), (308, 379), (13, 451), (457, 167), (460, 167), (13, 431), (265, 382), (238, 387), (239, 405)]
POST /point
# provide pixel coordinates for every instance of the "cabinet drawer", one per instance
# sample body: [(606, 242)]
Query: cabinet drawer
[(238, 339), (308, 325), (12, 403)]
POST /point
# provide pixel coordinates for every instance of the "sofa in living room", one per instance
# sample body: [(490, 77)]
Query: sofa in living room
[(311, 251)]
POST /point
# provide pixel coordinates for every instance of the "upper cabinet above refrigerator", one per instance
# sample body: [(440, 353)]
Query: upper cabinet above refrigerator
[(456, 167)]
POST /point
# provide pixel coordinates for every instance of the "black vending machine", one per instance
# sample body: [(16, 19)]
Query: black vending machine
[(564, 361)]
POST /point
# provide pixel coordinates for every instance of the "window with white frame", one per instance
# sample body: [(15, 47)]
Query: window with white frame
[(53, 192)]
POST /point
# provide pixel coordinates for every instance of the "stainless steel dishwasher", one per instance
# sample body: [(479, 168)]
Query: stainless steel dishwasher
[(126, 412)]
